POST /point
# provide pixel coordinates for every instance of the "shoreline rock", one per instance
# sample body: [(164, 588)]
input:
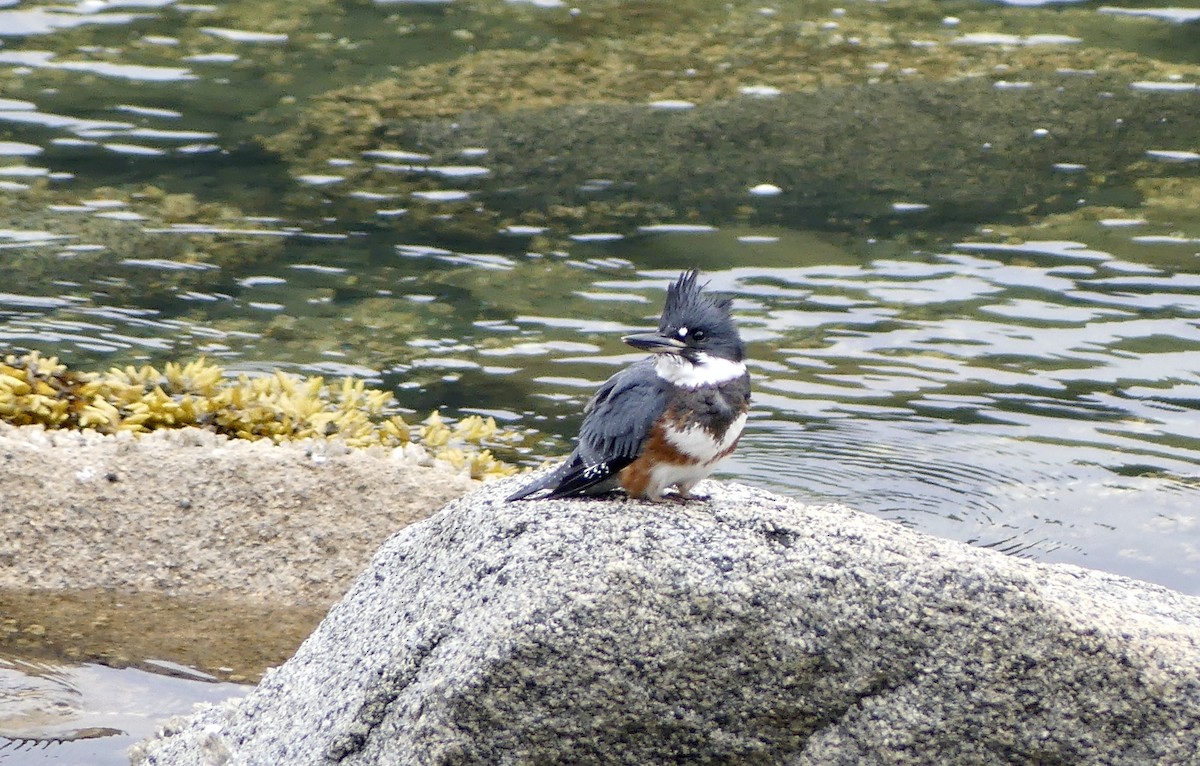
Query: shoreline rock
[(749, 628), (188, 513)]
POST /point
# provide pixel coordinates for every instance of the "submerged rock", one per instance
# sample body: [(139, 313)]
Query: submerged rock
[(746, 629), (873, 155)]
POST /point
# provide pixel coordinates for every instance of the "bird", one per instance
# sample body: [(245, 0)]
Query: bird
[(666, 420)]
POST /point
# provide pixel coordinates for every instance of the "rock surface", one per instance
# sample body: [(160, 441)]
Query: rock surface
[(189, 513), (745, 629)]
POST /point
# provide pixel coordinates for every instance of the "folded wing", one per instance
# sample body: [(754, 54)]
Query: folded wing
[(616, 424)]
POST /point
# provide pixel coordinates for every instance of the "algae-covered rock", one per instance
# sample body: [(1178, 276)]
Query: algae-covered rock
[(36, 390), (870, 154), (621, 52), (555, 129)]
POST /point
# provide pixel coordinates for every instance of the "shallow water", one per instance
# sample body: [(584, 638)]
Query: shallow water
[(85, 674), (88, 714), (1024, 377)]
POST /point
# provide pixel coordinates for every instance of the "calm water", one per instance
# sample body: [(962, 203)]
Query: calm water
[(1025, 378)]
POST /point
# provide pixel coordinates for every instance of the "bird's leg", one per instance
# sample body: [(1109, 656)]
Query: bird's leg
[(655, 499), (684, 493), (650, 495)]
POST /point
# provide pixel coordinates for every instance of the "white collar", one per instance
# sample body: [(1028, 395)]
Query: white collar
[(705, 371)]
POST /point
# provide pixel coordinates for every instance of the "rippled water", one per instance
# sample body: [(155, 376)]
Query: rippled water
[(88, 714), (1024, 375)]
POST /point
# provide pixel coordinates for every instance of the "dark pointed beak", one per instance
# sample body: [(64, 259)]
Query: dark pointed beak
[(655, 343)]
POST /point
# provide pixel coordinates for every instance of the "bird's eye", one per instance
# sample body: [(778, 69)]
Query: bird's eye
[(698, 335)]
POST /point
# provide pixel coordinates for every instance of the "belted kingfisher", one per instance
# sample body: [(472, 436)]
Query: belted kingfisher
[(666, 420)]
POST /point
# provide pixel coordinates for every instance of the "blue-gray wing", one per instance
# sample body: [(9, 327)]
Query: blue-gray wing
[(619, 417), (616, 424)]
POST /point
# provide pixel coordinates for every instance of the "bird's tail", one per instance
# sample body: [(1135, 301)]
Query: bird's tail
[(533, 487)]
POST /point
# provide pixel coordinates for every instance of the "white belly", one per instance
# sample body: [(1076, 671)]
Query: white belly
[(697, 443)]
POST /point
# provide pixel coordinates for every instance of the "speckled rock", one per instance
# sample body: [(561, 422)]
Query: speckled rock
[(747, 629)]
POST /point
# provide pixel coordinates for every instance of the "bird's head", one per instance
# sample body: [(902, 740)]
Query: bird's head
[(694, 325)]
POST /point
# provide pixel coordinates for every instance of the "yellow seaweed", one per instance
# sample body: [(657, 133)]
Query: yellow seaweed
[(38, 390)]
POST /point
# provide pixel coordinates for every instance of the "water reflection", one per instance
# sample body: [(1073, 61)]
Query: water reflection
[(55, 712)]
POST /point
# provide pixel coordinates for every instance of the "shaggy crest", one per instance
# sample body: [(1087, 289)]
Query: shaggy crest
[(687, 304)]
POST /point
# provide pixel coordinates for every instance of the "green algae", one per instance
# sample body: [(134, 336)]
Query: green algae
[(1164, 205), (606, 57), (609, 55)]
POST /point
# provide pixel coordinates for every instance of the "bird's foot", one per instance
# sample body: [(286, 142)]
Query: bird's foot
[(679, 497), (612, 494)]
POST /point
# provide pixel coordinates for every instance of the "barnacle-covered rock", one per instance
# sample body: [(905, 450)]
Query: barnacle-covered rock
[(38, 390)]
